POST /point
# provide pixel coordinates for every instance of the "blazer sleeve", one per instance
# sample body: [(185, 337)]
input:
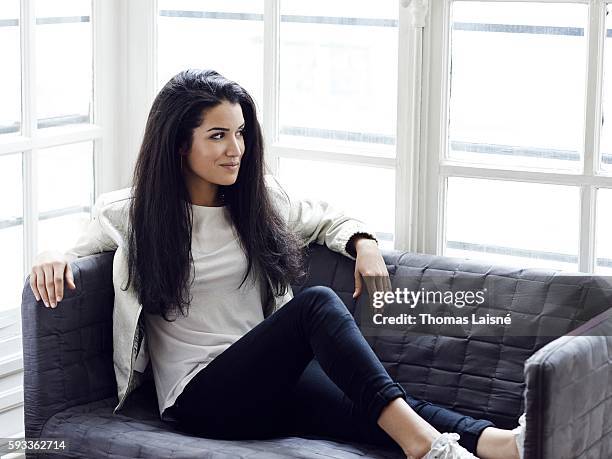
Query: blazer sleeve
[(317, 221), (94, 239)]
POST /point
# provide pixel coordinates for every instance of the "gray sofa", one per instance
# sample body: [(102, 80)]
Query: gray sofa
[(564, 384)]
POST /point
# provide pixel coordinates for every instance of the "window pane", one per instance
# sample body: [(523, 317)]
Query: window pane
[(603, 246), (11, 231), (65, 193), (363, 192), (10, 76), (606, 132), (338, 74), (60, 233), (207, 34), (520, 224), (518, 83), (64, 66)]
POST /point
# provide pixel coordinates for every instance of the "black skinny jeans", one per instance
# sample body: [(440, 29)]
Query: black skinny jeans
[(304, 370)]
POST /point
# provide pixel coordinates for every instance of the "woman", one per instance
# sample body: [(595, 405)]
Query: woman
[(211, 247)]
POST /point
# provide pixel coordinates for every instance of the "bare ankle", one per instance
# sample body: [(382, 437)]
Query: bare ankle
[(497, 443), (411, 432), (420, 445)]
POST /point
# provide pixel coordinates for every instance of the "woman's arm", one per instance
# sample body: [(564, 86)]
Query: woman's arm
[(371, 265), (51, 268), (317, 221), (93, 239)]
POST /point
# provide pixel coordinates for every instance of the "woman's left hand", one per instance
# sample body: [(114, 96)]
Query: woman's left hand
[(371, 265)]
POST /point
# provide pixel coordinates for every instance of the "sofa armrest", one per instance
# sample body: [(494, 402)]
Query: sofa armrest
[(68, 350), (568, 394)]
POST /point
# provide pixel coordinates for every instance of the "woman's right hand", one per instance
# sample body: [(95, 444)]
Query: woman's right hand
[(47, 277)]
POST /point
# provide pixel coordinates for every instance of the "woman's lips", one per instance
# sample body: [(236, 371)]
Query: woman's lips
[(231, 167)]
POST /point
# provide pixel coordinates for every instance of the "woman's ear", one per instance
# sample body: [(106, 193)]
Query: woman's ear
[(184, 150)]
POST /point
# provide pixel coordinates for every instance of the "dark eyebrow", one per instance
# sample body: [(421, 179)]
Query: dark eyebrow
[(223, 129)]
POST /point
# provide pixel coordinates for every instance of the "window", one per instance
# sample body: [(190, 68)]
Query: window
[(468, 128), (47, 133), (337, 102), (11, 229), (10, 54), (324, 77), (604, 230), (606, 131), (223, 36), (518, 174)]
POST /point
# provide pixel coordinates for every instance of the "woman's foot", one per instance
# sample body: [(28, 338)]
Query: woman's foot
[(446, 446)]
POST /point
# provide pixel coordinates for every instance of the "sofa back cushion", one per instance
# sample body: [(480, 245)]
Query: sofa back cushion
[(479, 374)]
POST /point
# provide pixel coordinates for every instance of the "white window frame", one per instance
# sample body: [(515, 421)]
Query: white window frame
[(102, 132), (420, 167), (141, 86), (432, 214)]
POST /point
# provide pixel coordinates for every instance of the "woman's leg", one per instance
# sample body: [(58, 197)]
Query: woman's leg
[(246, 388), (245, 391), (321, 408), (476, 435)]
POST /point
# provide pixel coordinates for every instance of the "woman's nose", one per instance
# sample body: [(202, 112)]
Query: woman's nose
[(234, 148)]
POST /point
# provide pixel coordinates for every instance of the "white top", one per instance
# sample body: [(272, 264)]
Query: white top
[(219, 313)]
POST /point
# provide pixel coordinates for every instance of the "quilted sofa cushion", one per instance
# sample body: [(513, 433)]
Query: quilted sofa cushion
[(478, 375), (94, 431)]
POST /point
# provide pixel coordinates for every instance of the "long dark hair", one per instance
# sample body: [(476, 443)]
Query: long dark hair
[(159, 234)]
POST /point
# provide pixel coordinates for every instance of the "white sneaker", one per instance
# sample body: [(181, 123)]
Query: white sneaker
[(446, 447), (519, 435)]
